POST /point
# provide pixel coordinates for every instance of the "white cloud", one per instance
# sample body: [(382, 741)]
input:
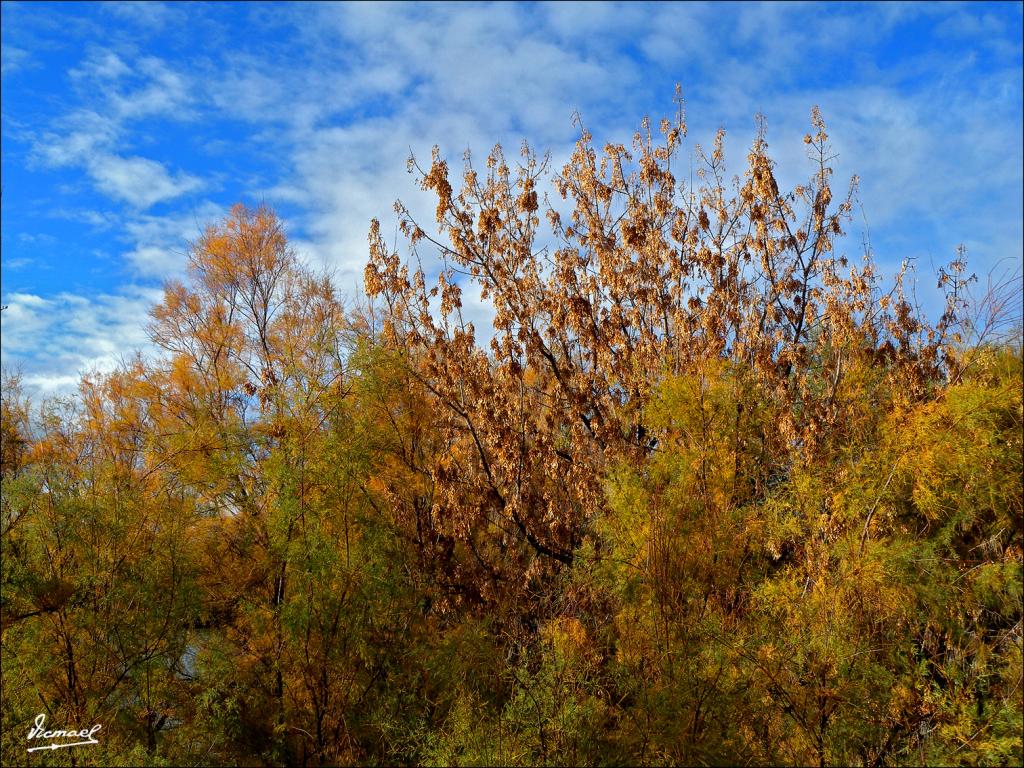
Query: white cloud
[(50, 384), (55, 339), (470, 76), (250, 91), (159, 243), (138, 181), (79, 135), (12, 59), (101, 65), (160, 91), (98, 220), (963, 23), (92, 138), (939, 159), (149, 15)]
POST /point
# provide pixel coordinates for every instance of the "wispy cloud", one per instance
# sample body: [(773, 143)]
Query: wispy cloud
[(101, 65), (160, 243), (475, 76), (12, 58), (54, 339), (90, 138), (138, 181), (88, 142), (315, 108), (159, 91), (149, 15)]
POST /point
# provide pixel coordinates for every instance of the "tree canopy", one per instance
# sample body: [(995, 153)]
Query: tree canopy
[(710, 491)]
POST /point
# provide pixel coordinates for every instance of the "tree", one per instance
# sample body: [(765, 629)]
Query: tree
[(709, 494)]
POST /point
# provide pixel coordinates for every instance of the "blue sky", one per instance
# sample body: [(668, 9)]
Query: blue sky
[(127, 127)]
